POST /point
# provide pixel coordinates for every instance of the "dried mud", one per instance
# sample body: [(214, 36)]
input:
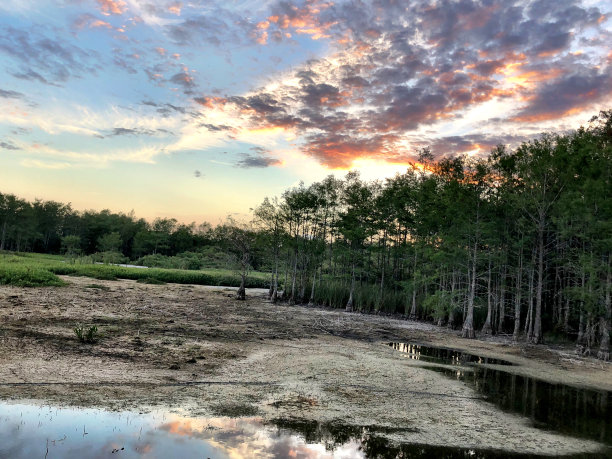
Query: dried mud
[(198, 351)]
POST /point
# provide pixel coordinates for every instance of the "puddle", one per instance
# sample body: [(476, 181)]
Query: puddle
[(569, 410), (443, 355), (566, 409), (29, 431)]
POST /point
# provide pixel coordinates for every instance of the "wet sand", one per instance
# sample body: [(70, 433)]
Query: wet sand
[(198, 351)]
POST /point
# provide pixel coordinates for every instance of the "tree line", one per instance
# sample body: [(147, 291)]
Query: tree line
[(518, 242)]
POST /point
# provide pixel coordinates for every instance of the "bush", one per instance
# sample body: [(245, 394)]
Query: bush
[(89, 336), (110, 258), (24, 276)]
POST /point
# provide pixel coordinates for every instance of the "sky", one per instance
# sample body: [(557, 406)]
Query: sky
[(199, 109)]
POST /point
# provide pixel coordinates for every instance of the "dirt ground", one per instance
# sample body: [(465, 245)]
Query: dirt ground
[(198, 350)]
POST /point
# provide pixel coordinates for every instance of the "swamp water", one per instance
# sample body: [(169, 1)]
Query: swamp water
[(42, 431), (46, 432), (570, 410)]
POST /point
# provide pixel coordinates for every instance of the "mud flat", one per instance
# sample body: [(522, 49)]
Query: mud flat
[(197, 352)]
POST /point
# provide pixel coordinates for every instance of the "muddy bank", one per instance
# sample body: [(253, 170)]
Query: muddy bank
[(200, 352)]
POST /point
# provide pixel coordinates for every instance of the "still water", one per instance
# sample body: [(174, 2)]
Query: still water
[(570, 410), (29, 431), (45, 432)]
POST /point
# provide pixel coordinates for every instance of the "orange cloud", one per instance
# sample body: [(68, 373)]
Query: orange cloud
[(262, 38), (160, 51), (305, 20), (100, 23), (175, 8), (211, 102), (108, 7), (548, 115)]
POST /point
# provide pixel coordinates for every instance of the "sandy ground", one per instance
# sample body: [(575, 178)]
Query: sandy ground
[(198, 350)]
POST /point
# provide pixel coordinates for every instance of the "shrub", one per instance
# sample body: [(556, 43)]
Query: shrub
[(89, 336), (25, 276), (110, 257)]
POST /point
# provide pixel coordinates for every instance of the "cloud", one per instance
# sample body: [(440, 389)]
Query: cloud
[(8, 146), (121, 131), (216, 127), (185, 81), (9, 94), (89, 20), (251, 161), (175, 8), (108, 7), (203, 29), (258, 159), (44, 59), (35, 163), (566, 95), (398, 70), (118, 131)]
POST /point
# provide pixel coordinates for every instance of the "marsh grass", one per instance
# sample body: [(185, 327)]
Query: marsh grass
[(27, 276), (35, 270)]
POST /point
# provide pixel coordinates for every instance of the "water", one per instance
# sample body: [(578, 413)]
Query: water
[(443, 355), (30, 431), (570, 410)]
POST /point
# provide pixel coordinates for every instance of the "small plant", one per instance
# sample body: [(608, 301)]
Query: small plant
[(89, 336)]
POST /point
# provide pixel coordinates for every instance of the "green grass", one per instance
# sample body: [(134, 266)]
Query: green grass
[(33, 270), (14, 272)]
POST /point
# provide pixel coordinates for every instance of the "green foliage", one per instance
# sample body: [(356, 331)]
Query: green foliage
[(367, 297), (523, 227), (211, 257), (109, 258), (88, 336), (71, 246), (110, 242), (33, 270), (13, 272), (151, 281)]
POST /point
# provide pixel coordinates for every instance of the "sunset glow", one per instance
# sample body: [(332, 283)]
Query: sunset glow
[(101, 96)]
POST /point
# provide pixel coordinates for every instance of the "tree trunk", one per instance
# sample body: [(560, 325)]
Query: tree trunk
[(537, 322), (580, 338), (412, 315), (286, 276), (451, 313), (468, 323), (292, 297), (241, 294), (529, 321), (274, 297), (349, 304), (486, 328), (589, 334), (517, 299), (502, 304), (311, 301), (3, 238), (604, 322), (414, 287)]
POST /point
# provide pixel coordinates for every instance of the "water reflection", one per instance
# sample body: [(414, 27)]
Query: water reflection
[(567, 409), (28, 431), (570, 410), (443, 355)]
